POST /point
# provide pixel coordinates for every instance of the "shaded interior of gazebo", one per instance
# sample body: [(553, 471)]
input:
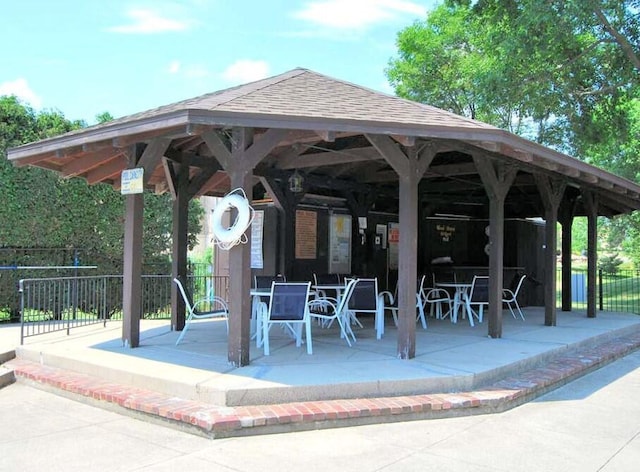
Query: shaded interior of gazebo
[(375, 152)]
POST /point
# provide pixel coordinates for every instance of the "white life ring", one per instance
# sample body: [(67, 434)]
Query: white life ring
[(234, 232)]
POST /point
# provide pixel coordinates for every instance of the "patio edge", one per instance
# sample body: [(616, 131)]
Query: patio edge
[(224, 421)]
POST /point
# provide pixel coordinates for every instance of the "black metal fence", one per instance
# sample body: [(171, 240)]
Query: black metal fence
[(616, 291), (61, 303)]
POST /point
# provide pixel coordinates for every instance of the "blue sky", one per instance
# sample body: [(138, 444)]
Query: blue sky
[(84, 57)]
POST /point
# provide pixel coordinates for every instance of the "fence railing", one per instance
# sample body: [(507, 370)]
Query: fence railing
[(62, 303), (619, 291)]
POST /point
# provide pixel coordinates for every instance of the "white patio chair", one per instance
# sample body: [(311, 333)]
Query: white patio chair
[(288, 307), (327, 310), (436, 298), (510, 298), (389, 302), (217, 308)]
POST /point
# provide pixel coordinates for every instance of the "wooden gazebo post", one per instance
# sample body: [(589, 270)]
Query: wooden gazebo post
[(551, 194), (497, 179), (147, 157), (565, 216), (239, 163), (590, 202), (410, 169)]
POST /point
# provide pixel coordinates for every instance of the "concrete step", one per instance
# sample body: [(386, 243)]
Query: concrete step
[(7, 375), (217, 421)]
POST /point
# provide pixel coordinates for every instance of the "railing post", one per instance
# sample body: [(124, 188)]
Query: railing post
[(21, 291), (600, 291)]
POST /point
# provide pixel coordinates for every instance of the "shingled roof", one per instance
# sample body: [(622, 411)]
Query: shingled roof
[(305, 101)]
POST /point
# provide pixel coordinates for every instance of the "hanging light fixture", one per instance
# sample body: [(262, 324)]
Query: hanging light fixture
[(295, 182)]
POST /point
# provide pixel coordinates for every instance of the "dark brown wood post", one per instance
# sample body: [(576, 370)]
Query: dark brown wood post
[(590, 201), (239, 164), (147, 158), (565, 216), (551, 193), (179, 242), (497, 179), (132, 270), (410, 168)]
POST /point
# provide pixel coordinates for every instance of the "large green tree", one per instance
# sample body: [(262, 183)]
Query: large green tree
[(42, 210), (561, 72)]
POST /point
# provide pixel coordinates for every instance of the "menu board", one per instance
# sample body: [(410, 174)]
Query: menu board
[(306, 234), (340, 244)]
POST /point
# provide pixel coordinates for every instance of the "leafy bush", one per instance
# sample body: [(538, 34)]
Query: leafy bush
[(610, 264)]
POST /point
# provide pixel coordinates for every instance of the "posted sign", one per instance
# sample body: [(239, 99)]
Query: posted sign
[(132, 181)]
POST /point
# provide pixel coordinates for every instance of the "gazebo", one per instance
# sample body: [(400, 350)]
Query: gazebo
[(372, 149)]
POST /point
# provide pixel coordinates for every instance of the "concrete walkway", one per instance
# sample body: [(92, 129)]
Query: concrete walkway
[(588, 425), (457, 371)]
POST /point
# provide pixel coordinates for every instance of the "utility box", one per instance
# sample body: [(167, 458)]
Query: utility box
[(578, 288)]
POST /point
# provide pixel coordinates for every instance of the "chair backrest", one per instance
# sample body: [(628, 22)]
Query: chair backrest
[(364, 296), (480, 289), (289, 301), (265, 281), (186, 295), (326, 279), (444, 275), (516, 283)]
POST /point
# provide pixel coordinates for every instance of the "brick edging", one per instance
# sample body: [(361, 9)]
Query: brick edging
[(224, 421)]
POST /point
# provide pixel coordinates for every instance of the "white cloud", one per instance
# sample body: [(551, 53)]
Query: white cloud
[(20, 88), (174, 67), (246, 70), (148, 21), (358, 14)]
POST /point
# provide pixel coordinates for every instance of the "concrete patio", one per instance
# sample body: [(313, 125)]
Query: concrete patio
[(453, 364)]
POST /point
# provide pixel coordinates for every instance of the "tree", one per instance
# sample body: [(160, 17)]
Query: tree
[(556, 64), (43, 210)]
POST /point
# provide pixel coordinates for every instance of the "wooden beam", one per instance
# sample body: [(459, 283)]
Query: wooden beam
[(218, 148), (327, 136), (259, 149), (152, 155), (81, 165), (407, 141), (328, 158), (107, 170), (126, 141), (391, 153), (214, 181)]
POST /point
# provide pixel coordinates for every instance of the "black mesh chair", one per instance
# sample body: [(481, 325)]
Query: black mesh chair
[(288, 307), (478, 296)]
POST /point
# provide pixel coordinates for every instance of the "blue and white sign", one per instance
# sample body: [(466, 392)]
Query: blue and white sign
[(132, 181)]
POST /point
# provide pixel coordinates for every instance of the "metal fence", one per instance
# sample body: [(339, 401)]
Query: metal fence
[(62, 303), (616, 291)]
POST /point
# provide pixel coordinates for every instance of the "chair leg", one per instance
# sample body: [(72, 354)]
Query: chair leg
[(184, 330), (265, 337), (519, 310), (511, 310), (421, 317), (308, 336)]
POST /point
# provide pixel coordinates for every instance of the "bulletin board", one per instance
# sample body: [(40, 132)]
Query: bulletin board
[(340, 244)]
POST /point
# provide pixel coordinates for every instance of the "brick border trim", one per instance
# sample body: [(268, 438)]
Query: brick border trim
[(224, 421)]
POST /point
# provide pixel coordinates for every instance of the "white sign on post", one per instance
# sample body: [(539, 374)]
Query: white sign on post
[(132, 181)]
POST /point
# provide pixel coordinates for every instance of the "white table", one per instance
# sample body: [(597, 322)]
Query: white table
[(460, 297)]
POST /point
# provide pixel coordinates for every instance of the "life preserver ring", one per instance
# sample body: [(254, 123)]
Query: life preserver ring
[(235, 232)]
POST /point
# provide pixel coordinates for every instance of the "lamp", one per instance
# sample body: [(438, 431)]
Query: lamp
[(295, 182)]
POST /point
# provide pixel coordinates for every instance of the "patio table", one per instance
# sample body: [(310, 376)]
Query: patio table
[(460, 297)]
